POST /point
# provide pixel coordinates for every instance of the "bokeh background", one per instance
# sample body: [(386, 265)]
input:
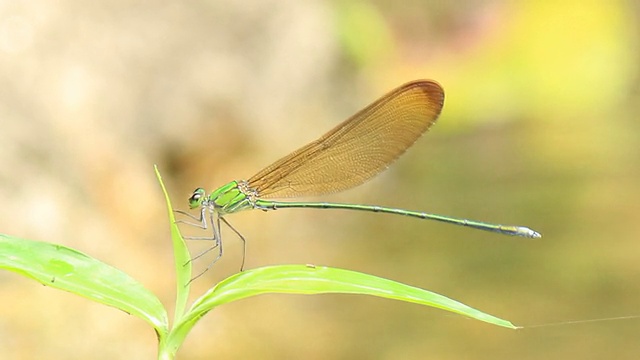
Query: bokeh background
[(540, 128)]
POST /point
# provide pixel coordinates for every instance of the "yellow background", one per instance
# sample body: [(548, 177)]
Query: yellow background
[(540, 128)]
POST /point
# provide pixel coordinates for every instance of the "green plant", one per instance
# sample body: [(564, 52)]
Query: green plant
[(64, 268)]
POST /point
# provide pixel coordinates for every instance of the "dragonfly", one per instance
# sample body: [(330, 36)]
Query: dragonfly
[(348, 155)]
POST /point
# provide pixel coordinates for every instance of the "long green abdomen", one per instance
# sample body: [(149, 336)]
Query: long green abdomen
[(503, 229)]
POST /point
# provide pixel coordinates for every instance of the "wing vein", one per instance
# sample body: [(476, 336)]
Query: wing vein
[(357, 149)]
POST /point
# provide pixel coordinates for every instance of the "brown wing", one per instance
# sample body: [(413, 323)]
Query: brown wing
[(357, 149)]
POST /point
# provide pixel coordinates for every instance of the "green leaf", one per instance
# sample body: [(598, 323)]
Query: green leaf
[(301, 279), (70, 270), (181, 255)]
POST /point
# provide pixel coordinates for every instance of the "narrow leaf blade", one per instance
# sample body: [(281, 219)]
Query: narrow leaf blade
[(67, 269), (182, 259), (301, 279)]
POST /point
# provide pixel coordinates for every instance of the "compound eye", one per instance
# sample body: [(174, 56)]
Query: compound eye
[(196, 198)]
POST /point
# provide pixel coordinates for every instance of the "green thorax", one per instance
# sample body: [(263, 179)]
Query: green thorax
[(232, 197)]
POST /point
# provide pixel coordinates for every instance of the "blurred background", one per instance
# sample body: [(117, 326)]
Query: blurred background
[(540, 128)]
